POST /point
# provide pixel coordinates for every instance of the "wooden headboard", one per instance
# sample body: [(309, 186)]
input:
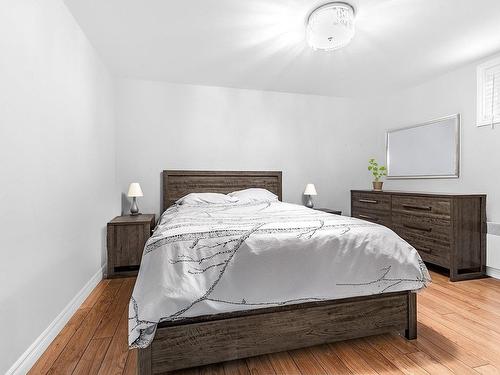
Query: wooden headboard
[(176, 184)]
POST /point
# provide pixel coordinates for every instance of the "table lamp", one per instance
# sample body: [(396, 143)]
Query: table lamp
[(309, 192), (134, 191)]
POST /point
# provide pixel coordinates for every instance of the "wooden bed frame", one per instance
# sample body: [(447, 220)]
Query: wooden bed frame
[(222, 337)]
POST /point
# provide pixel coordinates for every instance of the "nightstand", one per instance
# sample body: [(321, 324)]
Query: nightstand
[(125, 241), (329, 211)]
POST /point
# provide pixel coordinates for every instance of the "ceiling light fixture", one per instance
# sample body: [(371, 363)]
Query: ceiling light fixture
[(330, 26)]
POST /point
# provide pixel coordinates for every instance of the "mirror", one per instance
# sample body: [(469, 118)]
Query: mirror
[(428, 150)]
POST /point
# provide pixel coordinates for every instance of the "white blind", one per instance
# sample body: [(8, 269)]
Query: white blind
[(489, 93), (492, 93)]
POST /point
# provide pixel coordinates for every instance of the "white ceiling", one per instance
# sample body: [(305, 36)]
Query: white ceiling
[(259, 44)]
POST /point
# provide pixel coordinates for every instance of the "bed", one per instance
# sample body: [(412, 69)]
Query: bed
[(228, 281)]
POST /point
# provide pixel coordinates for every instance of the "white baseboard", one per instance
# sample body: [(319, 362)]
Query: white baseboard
[(31, 355), (493, 272)]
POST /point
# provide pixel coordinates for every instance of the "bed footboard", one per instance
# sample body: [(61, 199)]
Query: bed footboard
[(223, 337)]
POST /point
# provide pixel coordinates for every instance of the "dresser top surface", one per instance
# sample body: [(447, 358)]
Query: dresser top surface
[(419, 193)]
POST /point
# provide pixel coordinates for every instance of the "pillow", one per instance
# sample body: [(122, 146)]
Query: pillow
[(254, 195), (204, 198)]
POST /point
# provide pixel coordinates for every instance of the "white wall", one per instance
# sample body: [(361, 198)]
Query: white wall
[(452, 93), (57, 169), (310, 138)]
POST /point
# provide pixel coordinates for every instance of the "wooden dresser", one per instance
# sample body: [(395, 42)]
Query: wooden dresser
[(448, 230)]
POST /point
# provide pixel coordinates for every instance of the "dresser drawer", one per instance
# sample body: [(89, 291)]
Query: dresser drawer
[(375, 216), (429, 227), (431, 236), (422, 206), (430, 249), (371, 201)]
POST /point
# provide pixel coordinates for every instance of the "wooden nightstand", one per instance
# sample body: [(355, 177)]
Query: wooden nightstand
[(125, 241), (329, 211)]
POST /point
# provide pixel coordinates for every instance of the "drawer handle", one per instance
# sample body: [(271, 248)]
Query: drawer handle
[(421, 208), (428, 229), (368, 217), (372, 201)]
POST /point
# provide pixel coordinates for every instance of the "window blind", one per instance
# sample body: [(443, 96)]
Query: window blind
[(492, 93), (489, 93)]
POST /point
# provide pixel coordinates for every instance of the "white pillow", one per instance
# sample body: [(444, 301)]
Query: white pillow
[(254, 195), (203, 198)]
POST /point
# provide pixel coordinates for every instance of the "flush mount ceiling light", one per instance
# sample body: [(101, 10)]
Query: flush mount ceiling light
[(331, 26)]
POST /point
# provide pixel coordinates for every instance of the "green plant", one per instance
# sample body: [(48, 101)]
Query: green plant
[(378, 171)]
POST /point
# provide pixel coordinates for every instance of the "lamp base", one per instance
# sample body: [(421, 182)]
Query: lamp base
[(134, 209), (309, 202)]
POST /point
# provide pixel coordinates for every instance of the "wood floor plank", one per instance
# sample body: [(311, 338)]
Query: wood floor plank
[(109, 322), (485, 318), (471, 331), (439, 278), (214, 369), (385, 346), (91, 300), (458, 291), (467, 287), (92, 358), (305, 362), (283, 363), (454, 335), (404, 346), (73, 351), (490, 282), (429, 364), (260, 366), (478, 300), (462, 353), (451, 304), (478, 333), (116, 356), (376, 360), (330, 361), (488, 370), (55, 348), (433, 304), (350, 357), (443, 356), (237, 367), (131, 365)]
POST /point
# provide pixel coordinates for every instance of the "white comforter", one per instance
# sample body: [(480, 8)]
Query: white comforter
[(215, 258)]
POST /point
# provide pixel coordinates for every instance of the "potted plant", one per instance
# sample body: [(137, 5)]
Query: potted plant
[(378, 171)]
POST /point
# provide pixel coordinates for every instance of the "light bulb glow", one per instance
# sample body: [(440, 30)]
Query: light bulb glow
[(331, 26)]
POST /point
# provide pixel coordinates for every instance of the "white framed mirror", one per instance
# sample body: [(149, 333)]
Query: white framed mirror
[(427, 150)]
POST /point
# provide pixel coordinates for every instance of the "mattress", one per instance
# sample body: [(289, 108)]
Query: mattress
[(216, 258)]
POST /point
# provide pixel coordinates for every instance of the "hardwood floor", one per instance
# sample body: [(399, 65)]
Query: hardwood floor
[(458, 333)]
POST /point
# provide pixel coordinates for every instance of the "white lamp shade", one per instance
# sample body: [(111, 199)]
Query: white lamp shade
[(310, 190), (135, 190)]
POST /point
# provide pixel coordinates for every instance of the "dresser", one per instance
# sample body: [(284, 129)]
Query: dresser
[(448, 230)]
